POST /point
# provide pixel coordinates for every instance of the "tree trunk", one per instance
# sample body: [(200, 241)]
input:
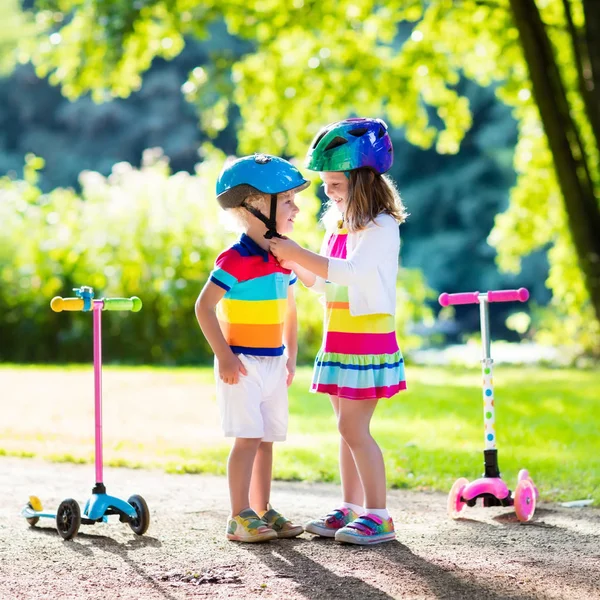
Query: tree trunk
[(586, 48), (591, 9), (569, 156)]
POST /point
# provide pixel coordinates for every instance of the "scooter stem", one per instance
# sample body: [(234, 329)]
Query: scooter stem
[(489, 417), (97, 308), (490, 452)]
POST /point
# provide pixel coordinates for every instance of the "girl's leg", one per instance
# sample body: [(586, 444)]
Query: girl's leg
[(354, 426), (260, 484), (239, 472), (352, 489)]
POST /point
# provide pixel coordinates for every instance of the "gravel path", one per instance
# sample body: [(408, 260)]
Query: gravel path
[(488, 555)]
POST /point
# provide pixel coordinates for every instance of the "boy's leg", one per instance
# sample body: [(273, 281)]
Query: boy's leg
[(239, 472), (352, 489), (244, 525), (275, 418), (262, 471)]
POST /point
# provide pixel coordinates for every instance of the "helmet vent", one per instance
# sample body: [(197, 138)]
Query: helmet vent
[(358, 131), (319, 138), (336, 142), (381, 131)]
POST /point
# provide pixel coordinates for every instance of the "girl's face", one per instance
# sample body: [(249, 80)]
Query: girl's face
[(336, 184), (286, 212)]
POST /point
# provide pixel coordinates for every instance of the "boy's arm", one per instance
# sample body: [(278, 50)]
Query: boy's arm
[(290, 334), (230, 365)]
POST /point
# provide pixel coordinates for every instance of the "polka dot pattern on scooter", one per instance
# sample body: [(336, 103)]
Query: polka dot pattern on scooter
[(488, 406)]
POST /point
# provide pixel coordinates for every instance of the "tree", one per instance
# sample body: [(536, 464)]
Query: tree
[(313, 61), (15, 25)]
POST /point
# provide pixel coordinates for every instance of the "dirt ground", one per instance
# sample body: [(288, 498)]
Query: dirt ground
[(486, 555)]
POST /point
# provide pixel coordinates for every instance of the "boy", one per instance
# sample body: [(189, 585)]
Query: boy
[(254, 322)]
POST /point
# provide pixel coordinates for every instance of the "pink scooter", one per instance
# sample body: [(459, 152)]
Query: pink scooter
[(490, 487), (100, 505)]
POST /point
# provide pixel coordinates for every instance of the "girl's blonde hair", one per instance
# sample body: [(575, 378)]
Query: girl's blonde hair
[(369, 194)]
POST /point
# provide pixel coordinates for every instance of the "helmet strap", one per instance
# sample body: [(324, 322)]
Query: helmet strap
[(270, 221)]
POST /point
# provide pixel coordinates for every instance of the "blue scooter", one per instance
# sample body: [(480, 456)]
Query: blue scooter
[(100, 505)]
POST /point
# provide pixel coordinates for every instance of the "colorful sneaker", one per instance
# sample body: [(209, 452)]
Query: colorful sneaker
[(367, 529), (248, 527), (331, 523), (282, 526)]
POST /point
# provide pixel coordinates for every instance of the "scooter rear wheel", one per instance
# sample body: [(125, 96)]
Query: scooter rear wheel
[(31, 520), (140, 524), (68, 519)]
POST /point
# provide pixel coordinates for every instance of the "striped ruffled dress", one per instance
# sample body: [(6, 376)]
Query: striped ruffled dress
[(359, 358)]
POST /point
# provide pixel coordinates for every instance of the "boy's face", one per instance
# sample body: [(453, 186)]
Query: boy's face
[(286, 212), (335, 184)]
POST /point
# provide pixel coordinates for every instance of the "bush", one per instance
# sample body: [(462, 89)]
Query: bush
[(144, 232)]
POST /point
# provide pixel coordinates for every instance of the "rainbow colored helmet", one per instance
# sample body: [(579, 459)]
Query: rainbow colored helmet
[(351, 144), (257, 172)]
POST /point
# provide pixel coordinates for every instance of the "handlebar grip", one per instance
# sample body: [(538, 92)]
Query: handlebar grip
[(520, 295), (461, 298), (58, 304), (134, 304)]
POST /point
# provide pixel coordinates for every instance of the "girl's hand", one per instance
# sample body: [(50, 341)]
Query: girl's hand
[(230, 369), (290, 365), (283, 248)]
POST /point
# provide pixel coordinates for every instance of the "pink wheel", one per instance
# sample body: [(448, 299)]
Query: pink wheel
[(455, 504), (524, 475), (525, 500)]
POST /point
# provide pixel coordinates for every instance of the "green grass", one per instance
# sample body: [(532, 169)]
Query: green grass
[(546, 421)]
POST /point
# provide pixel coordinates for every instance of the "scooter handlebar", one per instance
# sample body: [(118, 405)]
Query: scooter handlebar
[(462, 298), (520, 295), (133, 304), (59, 304)]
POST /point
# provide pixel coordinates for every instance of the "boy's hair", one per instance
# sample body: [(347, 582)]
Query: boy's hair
[(238, 219), (369, 194)]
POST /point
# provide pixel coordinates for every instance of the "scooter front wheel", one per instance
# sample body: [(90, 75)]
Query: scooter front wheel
[(68, 519), (524, 500), (455, 503), (140, 524), (524, 474)]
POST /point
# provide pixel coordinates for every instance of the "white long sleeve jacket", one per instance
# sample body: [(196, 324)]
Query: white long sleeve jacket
[(370, 268)]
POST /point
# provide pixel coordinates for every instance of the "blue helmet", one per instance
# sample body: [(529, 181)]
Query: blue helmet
[(258, 172)]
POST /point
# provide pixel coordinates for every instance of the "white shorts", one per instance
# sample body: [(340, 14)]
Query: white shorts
[(256, 406)]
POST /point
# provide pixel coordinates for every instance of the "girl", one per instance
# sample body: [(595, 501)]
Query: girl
[(359, 361)]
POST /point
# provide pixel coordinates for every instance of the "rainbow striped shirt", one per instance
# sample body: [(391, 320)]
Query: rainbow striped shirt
[(252, 312)]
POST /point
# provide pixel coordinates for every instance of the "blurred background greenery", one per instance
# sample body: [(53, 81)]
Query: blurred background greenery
[(116, 117)]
